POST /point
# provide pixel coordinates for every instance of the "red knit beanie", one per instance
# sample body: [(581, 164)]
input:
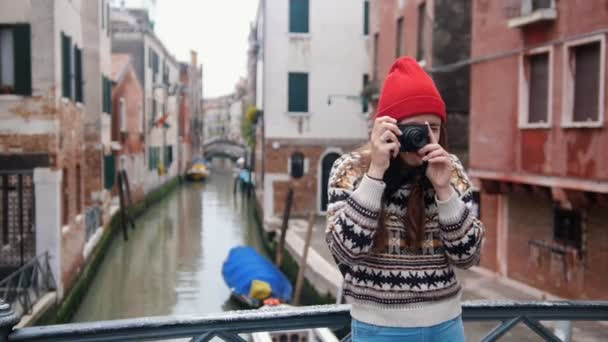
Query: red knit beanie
[(409, 91)]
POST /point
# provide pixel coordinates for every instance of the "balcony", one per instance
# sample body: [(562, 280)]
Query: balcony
[(527, 12)]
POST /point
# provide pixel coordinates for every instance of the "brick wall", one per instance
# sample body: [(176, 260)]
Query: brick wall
[(306, 189), (531, 218), (70, 154), (489, 208)]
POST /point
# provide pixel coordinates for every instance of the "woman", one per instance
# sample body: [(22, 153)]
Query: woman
[(398, 222)]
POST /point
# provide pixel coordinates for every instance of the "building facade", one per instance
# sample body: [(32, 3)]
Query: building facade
[(158, 73), (190, 111), (311, 67), (127, 123), (44, 91), (538, 129)]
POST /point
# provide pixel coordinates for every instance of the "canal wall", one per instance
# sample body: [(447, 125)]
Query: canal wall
[(63, 311)]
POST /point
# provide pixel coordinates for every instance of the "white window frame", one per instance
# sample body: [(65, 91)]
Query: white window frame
[(524, 90), (568, 84)]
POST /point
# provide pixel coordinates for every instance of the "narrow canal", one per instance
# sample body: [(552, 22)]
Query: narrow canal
[(173, 259)]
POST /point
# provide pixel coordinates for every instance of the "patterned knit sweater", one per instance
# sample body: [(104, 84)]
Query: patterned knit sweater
[(400, 286)]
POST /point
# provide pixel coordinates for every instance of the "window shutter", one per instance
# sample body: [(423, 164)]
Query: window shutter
[(539, 88), (586, 82), (66, 43), (298, 92), (109, 85), (108, 22), (364, 101), (78, 74), (366, 18), (109, 171), (298, 16), (23, 59)]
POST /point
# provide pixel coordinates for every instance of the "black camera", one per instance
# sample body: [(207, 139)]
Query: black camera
[(414, 137)]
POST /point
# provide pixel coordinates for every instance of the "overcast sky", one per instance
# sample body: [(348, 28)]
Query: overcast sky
[(216, 29)]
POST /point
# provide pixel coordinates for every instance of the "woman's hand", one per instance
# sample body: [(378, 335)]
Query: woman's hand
[(439, 170), (385, 145)]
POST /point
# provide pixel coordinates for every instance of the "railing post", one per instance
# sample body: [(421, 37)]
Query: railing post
[(8, 320)]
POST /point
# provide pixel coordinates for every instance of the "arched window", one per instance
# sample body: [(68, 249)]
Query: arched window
[(297, 165)]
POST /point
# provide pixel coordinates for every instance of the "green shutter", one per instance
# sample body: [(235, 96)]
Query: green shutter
[(103, 94), (108, 22), (78, 74), (298, 16), (23, 59), (366, 17), (109, 96), (364, 100), (109, 164), (106, 86), (149, 158), (298, 92), (66, 64)]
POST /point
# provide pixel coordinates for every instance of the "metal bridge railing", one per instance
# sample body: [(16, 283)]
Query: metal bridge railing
[(231, 326), (22, 288)]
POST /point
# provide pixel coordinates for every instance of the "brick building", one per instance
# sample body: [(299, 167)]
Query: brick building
[(310, 69), (158, 72), (190, 111), (43, 109), (437, 33), (538, 129), (127, 122)]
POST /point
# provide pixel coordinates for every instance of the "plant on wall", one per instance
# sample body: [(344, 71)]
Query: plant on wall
[(248, 125)]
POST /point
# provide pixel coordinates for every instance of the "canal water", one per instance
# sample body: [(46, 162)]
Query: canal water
[(171, 264)]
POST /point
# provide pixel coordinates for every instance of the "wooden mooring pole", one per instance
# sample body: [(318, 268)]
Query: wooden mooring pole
[(284, 225)]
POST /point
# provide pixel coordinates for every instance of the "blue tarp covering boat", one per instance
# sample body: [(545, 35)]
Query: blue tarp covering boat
[(245, 264)]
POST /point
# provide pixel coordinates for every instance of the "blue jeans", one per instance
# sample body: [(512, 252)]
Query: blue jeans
[(449, 331)]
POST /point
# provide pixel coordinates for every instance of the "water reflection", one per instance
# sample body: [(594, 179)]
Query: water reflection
[(172, 261)]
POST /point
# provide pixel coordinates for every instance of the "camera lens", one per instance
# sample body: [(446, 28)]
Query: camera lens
[(417, 137)]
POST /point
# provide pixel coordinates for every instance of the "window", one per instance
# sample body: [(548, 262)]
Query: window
[(541, 4), (107, 95), (15, 59), (298, 92), (567, 227), (66, 65), (376, 42), (297, 165), (108, 18), (583, 100), (79, 89), (364, 101), (366, 17), (168, 155), (109, 165), (65, 203), (298, 16), (527, 12), (399, 42), (423, 32), (123, 115), (78, 189), (535, 97)]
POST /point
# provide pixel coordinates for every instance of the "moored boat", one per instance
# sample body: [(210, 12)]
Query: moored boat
[(199, 171), (252, 278)]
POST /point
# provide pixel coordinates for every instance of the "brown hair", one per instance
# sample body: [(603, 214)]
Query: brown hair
[(398, 174)]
